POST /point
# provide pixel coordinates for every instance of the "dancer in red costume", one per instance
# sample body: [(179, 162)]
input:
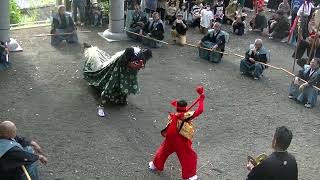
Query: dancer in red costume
[(178, 138)]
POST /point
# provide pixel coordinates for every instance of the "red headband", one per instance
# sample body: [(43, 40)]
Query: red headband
[(174, 103)]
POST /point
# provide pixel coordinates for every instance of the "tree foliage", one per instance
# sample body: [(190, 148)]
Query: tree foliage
[(106, 7), (15, 13)]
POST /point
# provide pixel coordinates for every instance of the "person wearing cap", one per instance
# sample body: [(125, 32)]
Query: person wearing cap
[(16, 151), (206, 19), (178, 139), (280, 165), (304, 92), (95, 13), (279, 26), (63, 27), (179, 30), (250, 64)]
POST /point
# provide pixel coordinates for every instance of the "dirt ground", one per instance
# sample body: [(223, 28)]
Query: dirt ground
[(45, 95)]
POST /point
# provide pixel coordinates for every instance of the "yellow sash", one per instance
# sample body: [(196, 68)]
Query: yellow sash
[(185, 128)]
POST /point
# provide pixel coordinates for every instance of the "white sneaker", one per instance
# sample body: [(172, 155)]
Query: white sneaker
[(152, 167), (308, 105), (195, 177), (101, 111)]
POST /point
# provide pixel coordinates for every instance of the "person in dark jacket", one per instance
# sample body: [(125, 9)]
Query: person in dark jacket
[(238, 26), (63, 27), (305, 92), (279, 26), (214, 40), (280, 165), (259, 21), (179, 30), (153, 29), (250, 64), (17, 151)]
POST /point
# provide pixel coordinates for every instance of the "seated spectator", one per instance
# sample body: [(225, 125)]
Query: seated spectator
[(256, 53), (214, 40), (179, 30), (279, 27), (154, 29), (304, 92), (138, 21), (285, 7), (311, 43), (183, 10), (17, 151), (280, 164), (206, 19), (196, 14), (231, 12), (63, 27), (219, 11), (171, 13), (96, 13), (259, 22), (4, 56), (238, 26)]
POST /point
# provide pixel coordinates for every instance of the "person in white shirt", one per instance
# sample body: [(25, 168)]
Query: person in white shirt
[(206, 19), (305, 8), (304, 13)]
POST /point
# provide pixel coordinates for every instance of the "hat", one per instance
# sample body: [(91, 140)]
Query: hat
[(179, 14), (61, 6)]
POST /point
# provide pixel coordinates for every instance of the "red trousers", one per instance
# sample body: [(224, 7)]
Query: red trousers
[(183, 148)]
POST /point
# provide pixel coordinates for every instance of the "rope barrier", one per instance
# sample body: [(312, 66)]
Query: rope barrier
[(42, 35), (26, 172), (191, 45), (147, 37), (234, 54)]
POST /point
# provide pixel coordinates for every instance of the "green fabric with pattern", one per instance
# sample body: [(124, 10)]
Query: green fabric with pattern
[(115, 81)]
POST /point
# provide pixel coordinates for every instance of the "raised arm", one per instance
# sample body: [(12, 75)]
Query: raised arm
[(200, 107)]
